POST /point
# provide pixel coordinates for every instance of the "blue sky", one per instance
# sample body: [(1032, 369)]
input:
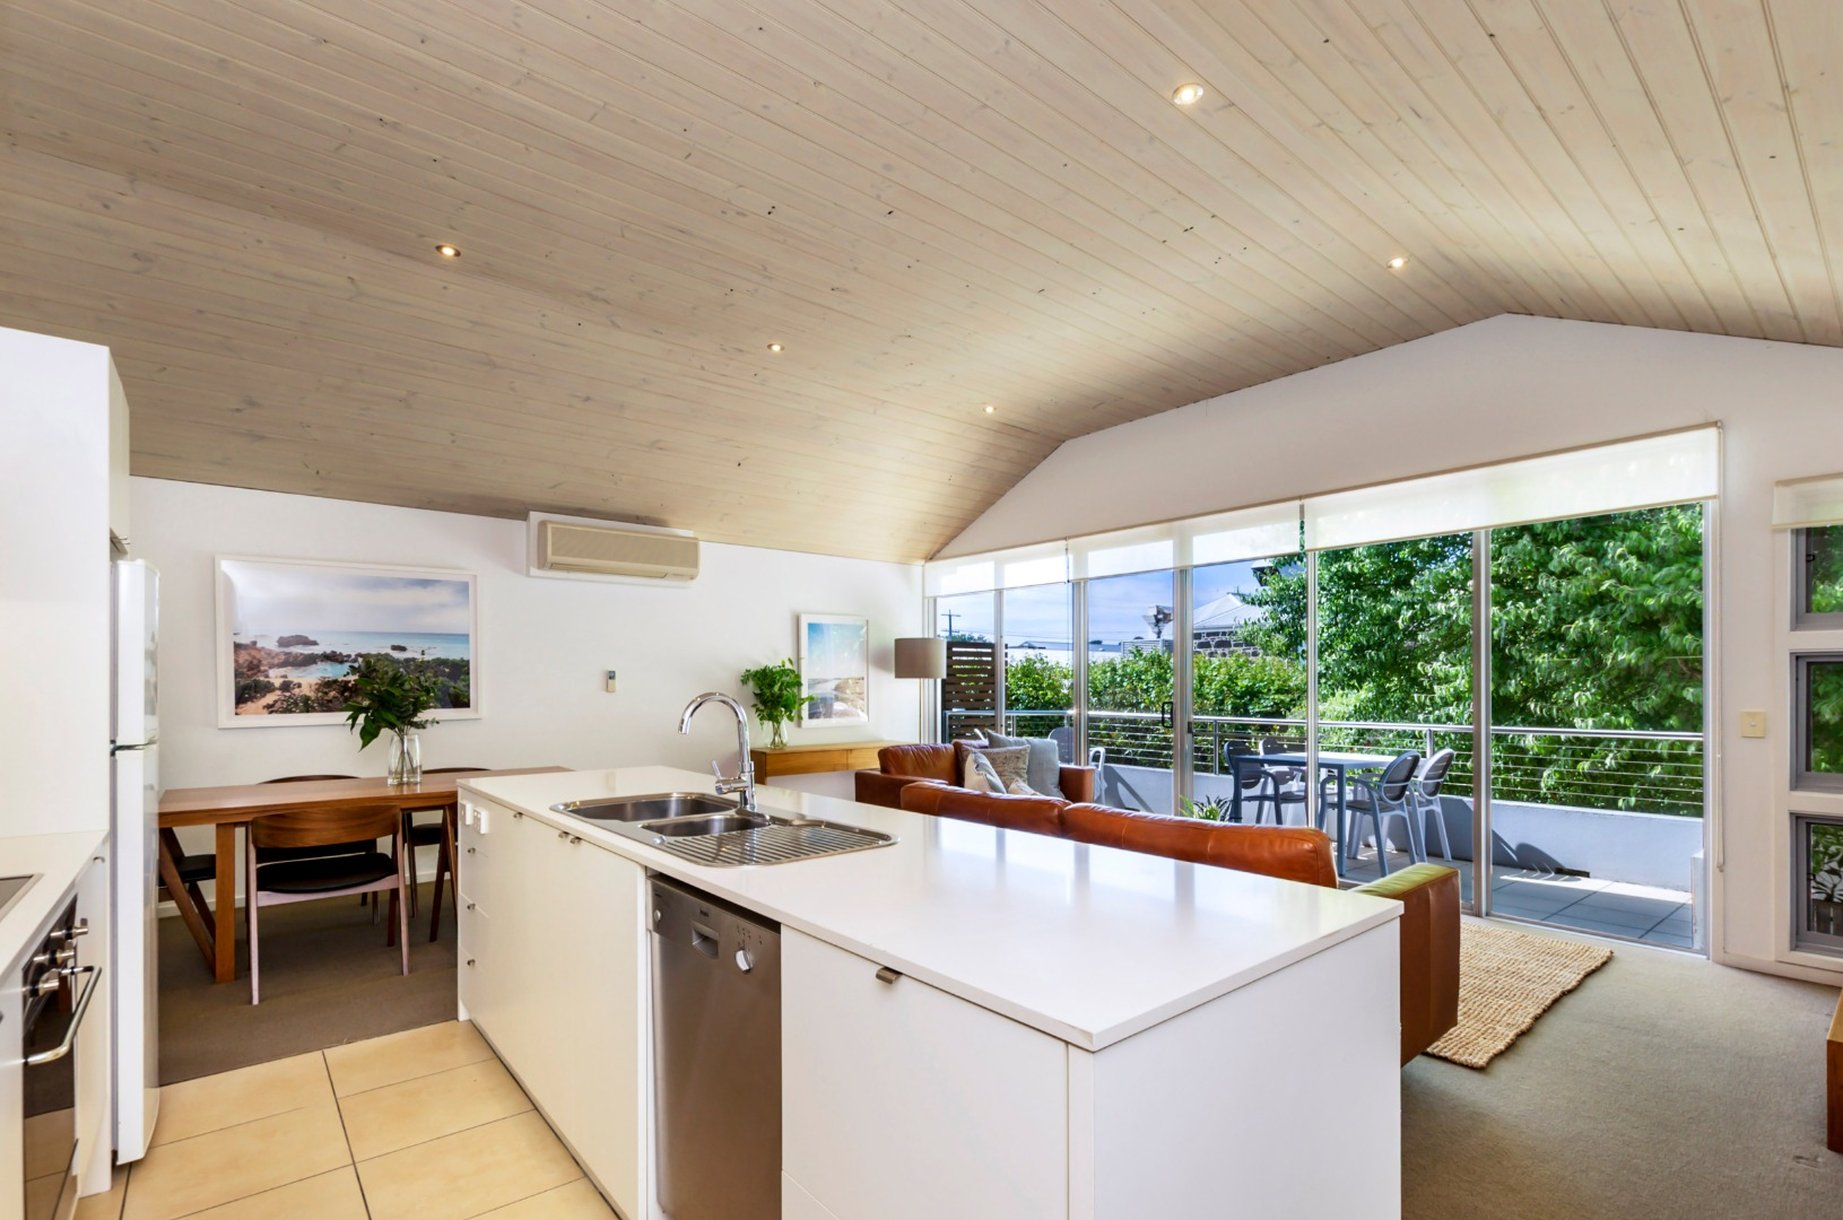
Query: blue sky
[(272, 598), (1116, 605)]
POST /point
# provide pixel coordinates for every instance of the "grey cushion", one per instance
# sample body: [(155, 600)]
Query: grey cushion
[(996, 770), (1044, 772)]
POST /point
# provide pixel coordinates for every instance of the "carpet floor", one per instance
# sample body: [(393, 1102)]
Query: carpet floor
[(327, 979), (1664, 1087)]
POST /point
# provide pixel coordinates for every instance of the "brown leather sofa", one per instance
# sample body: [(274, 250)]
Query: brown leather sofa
[(943, 763), (1429, 894)]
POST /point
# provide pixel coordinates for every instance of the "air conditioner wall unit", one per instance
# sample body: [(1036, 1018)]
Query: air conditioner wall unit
[(587, 549)]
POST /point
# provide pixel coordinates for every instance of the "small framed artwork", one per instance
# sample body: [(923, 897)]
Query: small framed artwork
[(835, 670), (291, 632)]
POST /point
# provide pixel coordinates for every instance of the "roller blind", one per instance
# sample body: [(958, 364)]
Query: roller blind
[(1671, 469), (1249, 533), (1044, 563), (1806, 503)]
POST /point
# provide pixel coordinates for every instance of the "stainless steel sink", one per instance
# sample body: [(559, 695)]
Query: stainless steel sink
[(651, 808), (714, 824), (710, 830)]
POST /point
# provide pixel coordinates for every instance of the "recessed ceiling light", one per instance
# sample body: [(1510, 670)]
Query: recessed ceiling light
[(1187, 94), (990, 409), (1397, 263), (448, 251), (774, 347)]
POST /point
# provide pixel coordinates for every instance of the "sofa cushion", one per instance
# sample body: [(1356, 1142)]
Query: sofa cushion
[(997, 770), (1293, 853), (926, 760), (1045, 761), (1036, 814)]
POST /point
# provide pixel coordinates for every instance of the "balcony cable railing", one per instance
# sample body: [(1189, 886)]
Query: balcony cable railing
[(1612, 770)]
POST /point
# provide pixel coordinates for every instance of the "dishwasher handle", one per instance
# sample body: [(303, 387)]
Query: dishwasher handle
[(704, 940)]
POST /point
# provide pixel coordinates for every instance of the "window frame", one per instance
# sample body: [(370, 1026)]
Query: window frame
[(1803, 778), (1803, 617), (1805, 938)]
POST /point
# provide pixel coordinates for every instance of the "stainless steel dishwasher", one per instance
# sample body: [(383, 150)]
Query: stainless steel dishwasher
[(716, 1057)]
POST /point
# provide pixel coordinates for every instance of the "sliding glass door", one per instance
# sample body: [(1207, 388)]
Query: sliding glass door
[(1247, 690), (1597, 713), (1130, 693)]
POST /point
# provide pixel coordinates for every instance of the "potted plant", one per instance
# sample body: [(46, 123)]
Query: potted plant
[(388, 698), (779, 697), (1827, 882), (1209, 809)]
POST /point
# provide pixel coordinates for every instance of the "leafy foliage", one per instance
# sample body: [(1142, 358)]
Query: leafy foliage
[(1824, 552), (386, 696), (1596, 623), (779, 693), (1826, 745)]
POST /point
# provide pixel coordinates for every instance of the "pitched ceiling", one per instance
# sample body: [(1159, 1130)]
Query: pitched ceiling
[(933, 204)]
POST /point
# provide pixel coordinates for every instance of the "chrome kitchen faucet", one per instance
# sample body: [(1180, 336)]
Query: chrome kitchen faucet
[(744, 779)]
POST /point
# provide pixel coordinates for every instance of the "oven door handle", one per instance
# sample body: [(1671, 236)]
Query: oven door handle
[(76, 1022)]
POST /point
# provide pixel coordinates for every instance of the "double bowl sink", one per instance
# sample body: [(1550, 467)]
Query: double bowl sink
[(710, 830)]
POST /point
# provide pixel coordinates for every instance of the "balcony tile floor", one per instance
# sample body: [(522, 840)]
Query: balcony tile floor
[(1644, 913)]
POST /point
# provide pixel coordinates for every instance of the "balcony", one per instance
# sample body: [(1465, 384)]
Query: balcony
[(1598, 830)]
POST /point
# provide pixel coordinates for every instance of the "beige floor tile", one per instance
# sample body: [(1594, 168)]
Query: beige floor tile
[(467, 1173), (577, 1201), (376, 1062), (428, 1107), (330, 1196), (218, 1167), (212, 1103), (107, 1206)]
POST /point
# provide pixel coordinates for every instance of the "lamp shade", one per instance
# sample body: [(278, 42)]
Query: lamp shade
[(921, 657)]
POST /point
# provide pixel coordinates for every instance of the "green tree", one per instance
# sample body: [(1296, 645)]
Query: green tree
[(1596, 623)]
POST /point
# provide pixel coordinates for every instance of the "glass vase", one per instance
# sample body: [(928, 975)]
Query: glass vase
[(405, 760), (777, 734)]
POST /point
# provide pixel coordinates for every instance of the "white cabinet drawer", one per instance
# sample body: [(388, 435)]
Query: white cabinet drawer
[(902, 1102), (798, 1204)]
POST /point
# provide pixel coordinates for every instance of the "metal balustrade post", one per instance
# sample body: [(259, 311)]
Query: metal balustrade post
[(1481, 722)]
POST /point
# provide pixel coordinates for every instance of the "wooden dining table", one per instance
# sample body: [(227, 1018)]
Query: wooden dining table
[(235, 806)]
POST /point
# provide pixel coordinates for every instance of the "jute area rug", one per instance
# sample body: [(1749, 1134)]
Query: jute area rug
[(1506, 980)]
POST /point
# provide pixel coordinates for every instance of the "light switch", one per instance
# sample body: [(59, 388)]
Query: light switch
[(611, 681), (1753, 724)]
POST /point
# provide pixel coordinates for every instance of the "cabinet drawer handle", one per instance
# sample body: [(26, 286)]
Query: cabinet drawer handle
[(470, 906), (886, 975), (470, 961)]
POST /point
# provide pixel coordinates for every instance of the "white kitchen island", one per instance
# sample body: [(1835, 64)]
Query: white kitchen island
[(1076, 1032)]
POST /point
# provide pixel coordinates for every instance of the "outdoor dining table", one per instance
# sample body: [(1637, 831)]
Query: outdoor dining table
[(1340, 763), (228, 808)]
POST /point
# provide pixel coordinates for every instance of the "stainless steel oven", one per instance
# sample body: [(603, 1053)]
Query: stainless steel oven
[(57, 998)]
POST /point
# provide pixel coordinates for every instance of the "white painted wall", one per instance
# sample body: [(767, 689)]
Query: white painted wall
[(544, 644), (54, 584), (1510, 387)]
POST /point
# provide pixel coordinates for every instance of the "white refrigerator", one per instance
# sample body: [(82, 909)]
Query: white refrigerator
[(134, 833)]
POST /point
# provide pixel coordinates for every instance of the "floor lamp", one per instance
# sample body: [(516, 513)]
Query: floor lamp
[(923, 657)]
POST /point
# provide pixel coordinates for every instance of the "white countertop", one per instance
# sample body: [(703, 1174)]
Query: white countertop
[(60, 861), (1088, 944)]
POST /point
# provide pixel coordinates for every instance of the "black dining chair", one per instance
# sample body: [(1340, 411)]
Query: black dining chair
[(273, 877)]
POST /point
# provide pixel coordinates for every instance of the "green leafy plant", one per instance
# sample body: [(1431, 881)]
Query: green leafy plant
[(1209, 809), (780, 694), (386, 698)]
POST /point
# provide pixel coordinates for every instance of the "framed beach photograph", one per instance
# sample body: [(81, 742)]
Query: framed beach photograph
[(291, 632), (835, 670)]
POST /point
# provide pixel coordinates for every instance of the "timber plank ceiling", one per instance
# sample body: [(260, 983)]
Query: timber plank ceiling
[(933, 205)]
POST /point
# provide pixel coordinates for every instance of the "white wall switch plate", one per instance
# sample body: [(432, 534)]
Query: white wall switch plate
[(1753, 724), (610, 682)]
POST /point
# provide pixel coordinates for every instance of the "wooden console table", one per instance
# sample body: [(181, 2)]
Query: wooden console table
[(1833, 1080), (771, 763)]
